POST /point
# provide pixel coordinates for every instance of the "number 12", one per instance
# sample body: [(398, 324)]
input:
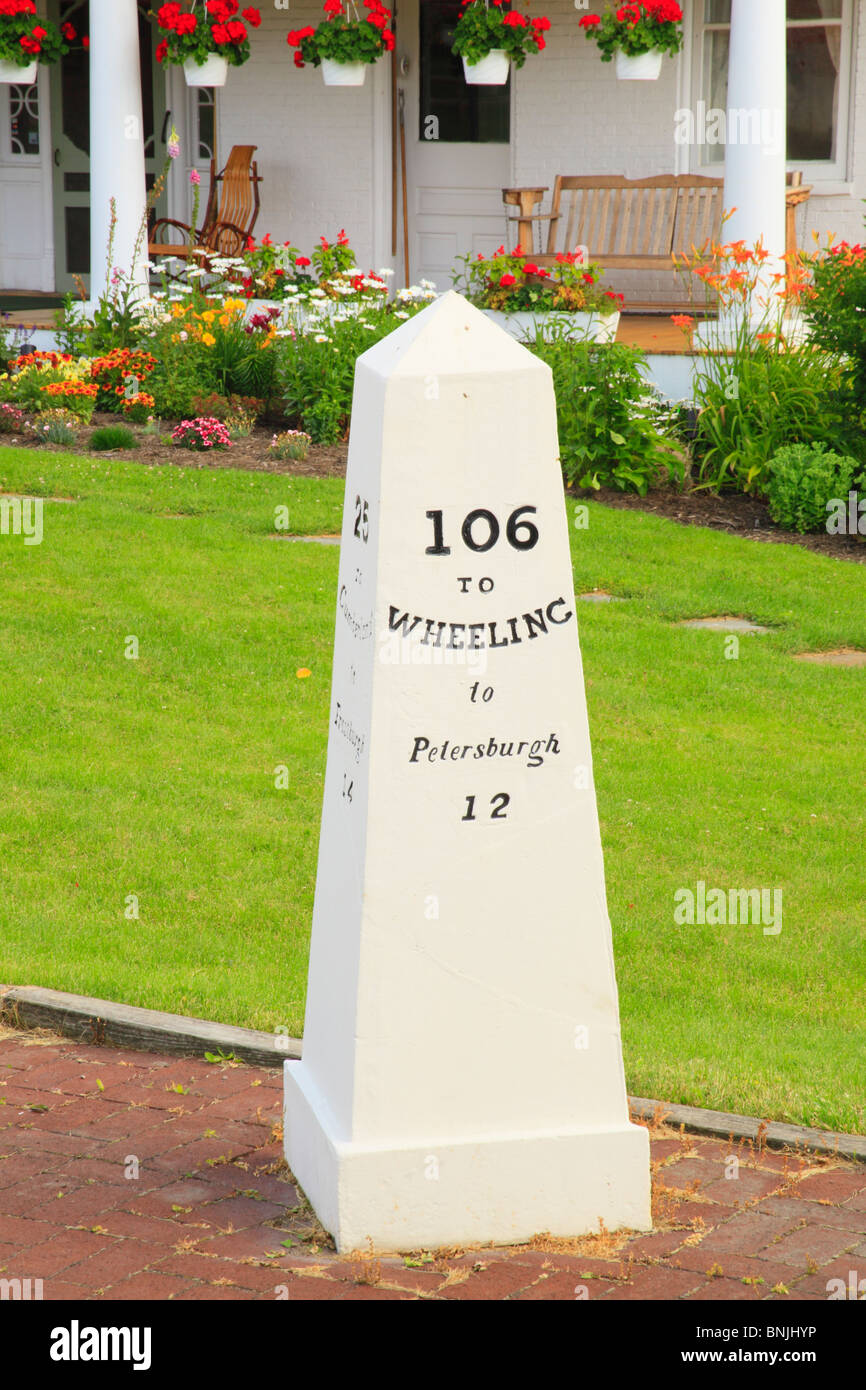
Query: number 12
[(498, 802)]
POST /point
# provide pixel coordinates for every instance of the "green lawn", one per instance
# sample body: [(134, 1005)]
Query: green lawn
[(155, 777)]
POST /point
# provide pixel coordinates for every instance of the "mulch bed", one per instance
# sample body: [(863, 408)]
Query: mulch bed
[(733, 513), (251, 454)]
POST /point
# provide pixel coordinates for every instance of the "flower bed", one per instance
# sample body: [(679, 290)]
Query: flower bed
[(525, 298)]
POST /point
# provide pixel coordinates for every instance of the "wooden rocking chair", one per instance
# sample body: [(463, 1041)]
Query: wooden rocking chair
[(230, 216)]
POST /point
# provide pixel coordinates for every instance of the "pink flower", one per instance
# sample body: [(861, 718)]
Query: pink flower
[(194, 176)]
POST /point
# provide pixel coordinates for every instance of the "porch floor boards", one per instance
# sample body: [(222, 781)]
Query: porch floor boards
[(652, 332)]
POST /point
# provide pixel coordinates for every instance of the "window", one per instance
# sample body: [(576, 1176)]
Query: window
[(23, 119), (205, 124), (451, 110), (819, 61)]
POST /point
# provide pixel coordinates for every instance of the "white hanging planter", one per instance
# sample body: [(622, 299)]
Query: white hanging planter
[(490, 71), (640, 67), (12, 74), (343, 74), (212, 72)]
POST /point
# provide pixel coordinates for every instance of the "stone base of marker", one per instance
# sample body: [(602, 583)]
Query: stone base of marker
[(497, 1190)]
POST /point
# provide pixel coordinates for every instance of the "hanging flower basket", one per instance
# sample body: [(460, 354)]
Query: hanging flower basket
[(26, 41), (344, 43), (489, 40), (490, 71), (205, 39), (638, 35)]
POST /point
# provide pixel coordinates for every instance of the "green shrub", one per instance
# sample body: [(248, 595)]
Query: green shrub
[(293, 445), (759, 399), (607, 435), (112, 437), (837, 310), (218, 407), (803, 479), (316, 369), (58, 426), (184, 371), (12, 420)]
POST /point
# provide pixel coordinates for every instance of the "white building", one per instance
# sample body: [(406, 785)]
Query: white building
[(329, 157)]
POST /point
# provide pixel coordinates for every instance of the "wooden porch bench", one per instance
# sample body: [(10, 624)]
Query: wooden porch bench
[(632, 224)]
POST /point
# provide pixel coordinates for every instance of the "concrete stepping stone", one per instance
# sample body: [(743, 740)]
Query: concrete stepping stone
[(725, 624), (845, 656), (599, 596), (310, 540)]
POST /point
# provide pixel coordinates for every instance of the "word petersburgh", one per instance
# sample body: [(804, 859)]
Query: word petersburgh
[(454, 752)]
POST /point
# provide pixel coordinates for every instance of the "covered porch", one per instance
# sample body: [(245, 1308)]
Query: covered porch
[(330, 158)]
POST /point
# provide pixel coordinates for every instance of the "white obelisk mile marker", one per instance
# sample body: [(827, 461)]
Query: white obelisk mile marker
[(462, 1076)]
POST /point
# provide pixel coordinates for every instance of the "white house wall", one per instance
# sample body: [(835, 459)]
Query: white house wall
[(574, 117), (315, 144)]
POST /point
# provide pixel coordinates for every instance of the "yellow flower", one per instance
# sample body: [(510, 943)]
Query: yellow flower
[(208, 339), (209, 316), (224, 321)]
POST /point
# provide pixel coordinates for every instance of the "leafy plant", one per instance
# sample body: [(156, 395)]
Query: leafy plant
[(483, 27), (606, 435), (58, 427), (112, 437), (24, 36), (50, 380), (190, 37), (836, 310), (759, 398), (803, 479), (316, 366), (202, 434), (228, 407), (274, 270), (647, 27), (512, 282), (761, 387), (344, 40), (119, 375), (12, 420), (291, 444)]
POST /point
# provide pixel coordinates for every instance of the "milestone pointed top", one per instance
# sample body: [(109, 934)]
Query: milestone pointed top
[(448, 338)]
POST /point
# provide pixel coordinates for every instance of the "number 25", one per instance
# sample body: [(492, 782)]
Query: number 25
[(362, 520)]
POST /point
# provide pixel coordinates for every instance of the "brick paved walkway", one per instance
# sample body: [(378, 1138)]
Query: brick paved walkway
[(212, 1213)]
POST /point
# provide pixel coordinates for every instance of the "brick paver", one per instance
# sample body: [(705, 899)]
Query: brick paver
[(129, 1175)]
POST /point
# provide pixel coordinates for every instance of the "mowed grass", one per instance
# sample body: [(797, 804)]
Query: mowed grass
[(156, 777)]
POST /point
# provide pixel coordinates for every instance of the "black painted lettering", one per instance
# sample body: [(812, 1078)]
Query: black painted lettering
[(535, 622), (558, 603)]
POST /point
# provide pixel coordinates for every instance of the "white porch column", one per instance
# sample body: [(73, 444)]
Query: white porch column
[(116, 138), (756, 148)]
